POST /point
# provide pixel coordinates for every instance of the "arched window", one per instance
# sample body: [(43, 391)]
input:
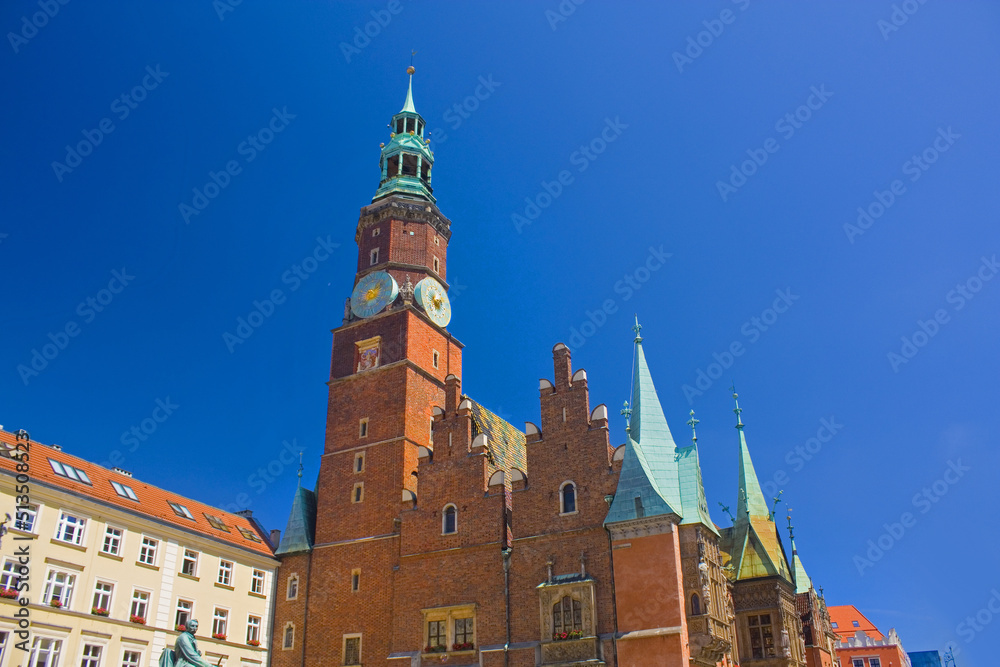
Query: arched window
[(695, 605), (449, 520), (292, 591), (289, 639), (567, 498), (567, 615)]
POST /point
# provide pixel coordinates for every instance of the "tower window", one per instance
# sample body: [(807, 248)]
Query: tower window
[(352, 650), (358, 494), (292, 588), (567, 616), (437, 240), (359, 462), (392, 171), (411, 124), (289, 640), (425, 171), (435, 358), (373, 256), (420, 127), (355, 580), (399, 126), (409, 165), (363, 428), (376, 232), (567, 498), (639, 511), (695, 605), (449, 520), (437, 265)]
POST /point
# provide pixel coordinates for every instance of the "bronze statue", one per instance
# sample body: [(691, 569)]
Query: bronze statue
[(185, 651)]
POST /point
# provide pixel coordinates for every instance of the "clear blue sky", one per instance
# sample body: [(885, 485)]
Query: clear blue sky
[(878, 95)]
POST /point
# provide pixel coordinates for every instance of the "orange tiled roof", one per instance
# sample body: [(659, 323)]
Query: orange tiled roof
[(844, 616), (152, 501)]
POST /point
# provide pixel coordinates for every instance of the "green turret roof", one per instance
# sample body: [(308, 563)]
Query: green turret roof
[(406, 160), (666, 479), (301, 529), (408, 104), (802, 581)]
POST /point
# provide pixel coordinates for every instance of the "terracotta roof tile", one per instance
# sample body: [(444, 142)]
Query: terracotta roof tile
[(152, 501), (845, 615)]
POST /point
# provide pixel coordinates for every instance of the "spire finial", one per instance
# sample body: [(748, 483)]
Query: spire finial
[(791, 528), (692, 423), (774, 506), (738, 409), (637, 328), (627, 413), (725, 508), (300, 469), (408, 104)]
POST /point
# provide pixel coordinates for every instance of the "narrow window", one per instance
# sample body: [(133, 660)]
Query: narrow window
[(140, 606), (183, 614), (435, 358), (564, 414), (225, 572), (102, 598), (358, 494), (359, 462), (91, 655), (363, 428), (392, 171), (411, 124), (568, 498), (253, 630), (437, 265), (352, 650), (189, 565), (399, 126), (409, 165), (449, 523), (289, 640), (292, 589), (373, 256), (355, 580), (220, 623), (425, 172), (147, 552), (437, 240), (695, 605), (257, 582), (376, 232), (112, 541), (639, 510)]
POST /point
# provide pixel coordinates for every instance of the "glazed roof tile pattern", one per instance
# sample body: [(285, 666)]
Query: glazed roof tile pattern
[(845, 616), (152, 502), (506, 446)]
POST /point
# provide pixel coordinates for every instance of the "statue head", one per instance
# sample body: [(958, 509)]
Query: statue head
[(191, 626)]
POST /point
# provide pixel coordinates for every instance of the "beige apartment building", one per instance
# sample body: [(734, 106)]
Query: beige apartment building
[(115, 565)]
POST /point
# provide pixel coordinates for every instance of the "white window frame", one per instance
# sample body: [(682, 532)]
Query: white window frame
[(90, 660), (189, 610), (30, 511), (226, 570), (78, 524), (10, 577), (224, 618), (285, 644), (373, 257), (135, 600), (877, 663), (124, 490), (576, 498), (255, 627), (148, 545), (292, 578), (257, 580), (110, 594), (53, 650), (444, 518), (68, 585), (120, 538), (135, 651), (185, 560)]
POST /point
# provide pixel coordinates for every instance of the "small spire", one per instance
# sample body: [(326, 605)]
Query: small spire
[(300, 470), (791, 529), (408, 105), (692, 423), (738, 409), (637, 328)]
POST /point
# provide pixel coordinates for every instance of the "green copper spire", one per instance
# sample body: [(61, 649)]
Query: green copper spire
[(751, 497), (407, 159), (803, 584)]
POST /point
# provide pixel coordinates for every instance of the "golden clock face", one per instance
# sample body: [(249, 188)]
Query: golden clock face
[(373, 293), (430, 295)]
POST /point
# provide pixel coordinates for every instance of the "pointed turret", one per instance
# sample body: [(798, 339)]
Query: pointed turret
[(300, 532), (751, 498), (803, 584), (693, 502), (406, 160)]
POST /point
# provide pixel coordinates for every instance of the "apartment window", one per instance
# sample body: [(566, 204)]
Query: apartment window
[(288, 641), (567, 498), (352, 650), (9, 575), (355, 580), (70, 529), (64, 470), (44, 652), (463, 632), (567, 615), (874, 662), (248, 534), (292, 591), (147, 552), (363, 428), (437, 633), (437, 265), (189, 564), (181, 510), (124, 490), (858, 662), (358, 494), (91, 655), (452, 628), (112, 541), (140, 605), (376, 232), (183, 615), (26, 517), (217, 523), (131, 659), (4, 636), (225, 572), (257, 582), (359, 462), (102, 597), (58, 588), (253, 629), (373, 256), (449, 520), (435, 358), (220, 623), (761, 636)]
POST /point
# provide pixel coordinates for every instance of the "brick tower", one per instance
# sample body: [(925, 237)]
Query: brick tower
[(391, 357)]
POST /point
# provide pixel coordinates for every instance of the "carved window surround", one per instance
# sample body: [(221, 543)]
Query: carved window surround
[(578, 588)]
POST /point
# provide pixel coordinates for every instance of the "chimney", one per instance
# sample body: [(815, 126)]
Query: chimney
[(275, 537), (121, 471), (246, 514)]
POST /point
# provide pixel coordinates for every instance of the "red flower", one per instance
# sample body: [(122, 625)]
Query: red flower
[(218, 635), (8, 593), (253, 642), (137, 619), (55, 602)]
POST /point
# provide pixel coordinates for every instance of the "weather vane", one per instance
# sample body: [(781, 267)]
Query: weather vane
[(725, 508), (692, 423), (774, 506)]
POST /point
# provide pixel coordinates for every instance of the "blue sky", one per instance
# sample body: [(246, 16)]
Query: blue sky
[(739, 138)]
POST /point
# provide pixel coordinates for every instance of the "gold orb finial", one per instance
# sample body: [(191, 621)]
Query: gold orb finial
[(410, 70)]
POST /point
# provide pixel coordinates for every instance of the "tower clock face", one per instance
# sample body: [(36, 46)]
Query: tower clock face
[(373, 293), (430, 295)]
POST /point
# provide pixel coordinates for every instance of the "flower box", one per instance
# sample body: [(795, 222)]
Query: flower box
[(435, 649), (218, 635), (100, 611), (137, 619), (563, 636), (253, 642), (55, 603), (180, 627), (9, 593), (466, 646)]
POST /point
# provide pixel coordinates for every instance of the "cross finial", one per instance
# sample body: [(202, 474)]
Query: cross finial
[(627, 413), (774, 507), (791, 528), (738, 409), (692, 423), (725, 508), (300, 469), (637, 328)]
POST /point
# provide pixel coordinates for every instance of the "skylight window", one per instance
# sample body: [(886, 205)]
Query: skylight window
[(180, 510), (69, 471), (124, 491), (217, 523), (249, 534)]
